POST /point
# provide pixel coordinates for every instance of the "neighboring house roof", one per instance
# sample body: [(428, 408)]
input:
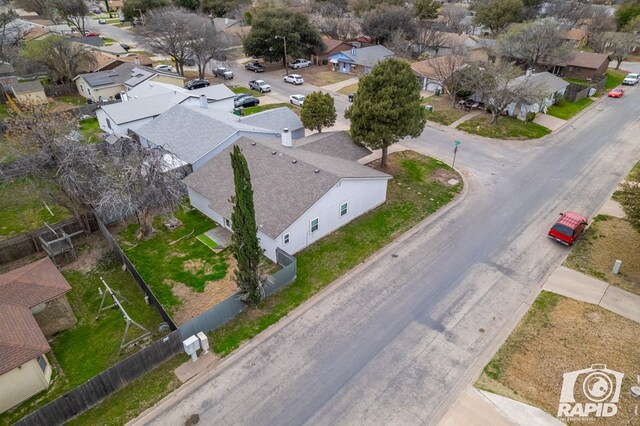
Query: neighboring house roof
[(576, 34), (222, 24), (330, 44), (286, 181), (588, 60), (90, 41), (335, 144), (21, 340), (136, 109), (275, 119), (106, 61), (215, 92), (32, 284), (429, 67), (36, 33), (549, 82), (114, 49), (7, 81), (6, 68), (115, 76), (27, 87), (60, 29), (365, 56), (38, 20)]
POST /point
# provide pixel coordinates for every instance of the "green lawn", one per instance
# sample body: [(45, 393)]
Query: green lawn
[(207, 241), (72, 99), (445, 116), (260, 108), (577, 81), (408, 202), (565, 109), (4, 111), (91, 346), (614, 78), (506, 128), (187, 261), (90, 129), (23, 209), (239, 89)]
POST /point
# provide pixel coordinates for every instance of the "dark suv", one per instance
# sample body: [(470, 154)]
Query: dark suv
[(196, 84), (254, 66), (568, 228), (246, 101)]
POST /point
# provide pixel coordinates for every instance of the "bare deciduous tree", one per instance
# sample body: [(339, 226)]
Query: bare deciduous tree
[(343, 28), (454, 15), (570, 12), (72, 12), (206, 44), (167, 30), (533, 42), (61, 56), (447, 70), (11, 35), (427, 38)]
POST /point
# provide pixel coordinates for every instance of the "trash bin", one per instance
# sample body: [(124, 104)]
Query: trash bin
[(428, 108), (236, 111), (351, 96), (437, 91)]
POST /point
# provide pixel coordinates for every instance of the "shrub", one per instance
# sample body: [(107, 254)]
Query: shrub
[(530, 116)]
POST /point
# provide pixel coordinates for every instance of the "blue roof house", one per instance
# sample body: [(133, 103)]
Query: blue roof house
[(359, 61)]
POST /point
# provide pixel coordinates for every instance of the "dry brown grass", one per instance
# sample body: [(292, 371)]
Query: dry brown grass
[(352, 88), (559, 335), (321, 75), (443, 112), (606, 240)]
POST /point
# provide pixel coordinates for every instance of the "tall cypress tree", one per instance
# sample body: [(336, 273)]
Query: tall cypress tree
[(245, 246)]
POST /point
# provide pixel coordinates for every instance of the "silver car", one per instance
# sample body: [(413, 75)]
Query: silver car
[(294, 79)]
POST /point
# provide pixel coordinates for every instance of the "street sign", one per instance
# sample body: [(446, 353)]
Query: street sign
[(455, 151), (457, 143)]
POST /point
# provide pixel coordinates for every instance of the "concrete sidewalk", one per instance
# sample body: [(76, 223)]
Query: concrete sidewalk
[(570, 283), (477, 407), (461, 120), (339, 85), (549, 121)]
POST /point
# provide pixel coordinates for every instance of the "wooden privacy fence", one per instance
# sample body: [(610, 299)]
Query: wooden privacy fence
[(29, 243), (91, 392), (55, 90)]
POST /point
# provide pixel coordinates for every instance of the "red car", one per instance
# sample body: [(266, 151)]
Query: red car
[(91, 34), (568, 228), (616, 93)]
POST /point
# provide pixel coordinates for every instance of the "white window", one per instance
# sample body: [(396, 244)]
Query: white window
[(343, 209), (314, 225), (42, 363), (285, 239)]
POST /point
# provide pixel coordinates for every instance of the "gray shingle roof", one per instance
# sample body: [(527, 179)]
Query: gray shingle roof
[(136, 109), (369, 56), (274, 119), (186, 133), (138, 75), (548, 81), (27, 86), (118, 75), (335, 144), (283, 190)]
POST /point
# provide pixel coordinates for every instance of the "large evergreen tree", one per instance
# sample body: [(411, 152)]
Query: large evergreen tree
[(318, 111), (387, 107), (498, 14), (245, 246)]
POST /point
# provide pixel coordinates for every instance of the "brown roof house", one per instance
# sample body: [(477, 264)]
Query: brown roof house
[(581, 65), (32, 306), (427, 71), (332, 46), (577, 37), (29, 92)]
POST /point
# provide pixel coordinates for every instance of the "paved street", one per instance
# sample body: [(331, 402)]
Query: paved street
[(110, 31), (395, 337)]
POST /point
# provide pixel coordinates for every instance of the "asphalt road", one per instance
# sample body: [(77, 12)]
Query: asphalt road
[(389, 343), (110, 31)]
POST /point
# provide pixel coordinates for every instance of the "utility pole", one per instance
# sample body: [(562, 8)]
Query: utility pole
[(284, 39)]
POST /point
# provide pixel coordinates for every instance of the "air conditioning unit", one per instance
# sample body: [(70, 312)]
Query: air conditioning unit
[(204, 342), (191, 345)]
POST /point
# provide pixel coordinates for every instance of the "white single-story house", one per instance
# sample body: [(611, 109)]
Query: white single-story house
[(300, 195), (550, 86), (359, 60), (195, 134), (107, 85), (146, 101), (32, 307)]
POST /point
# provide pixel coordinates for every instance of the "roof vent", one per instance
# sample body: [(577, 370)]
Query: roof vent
[(316, 171), (294, 161), (274, 152)]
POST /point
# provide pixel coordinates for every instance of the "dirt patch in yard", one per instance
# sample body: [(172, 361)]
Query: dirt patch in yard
[(444, 176), (443, 112), (194, 303), (609, 239), (322, 75), (560, 335)]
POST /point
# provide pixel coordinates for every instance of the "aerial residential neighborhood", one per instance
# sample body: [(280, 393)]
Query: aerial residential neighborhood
[(319, 212)]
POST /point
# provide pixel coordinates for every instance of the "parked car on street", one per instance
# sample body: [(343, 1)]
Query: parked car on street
[(294, 79), (125, 46), (568, 228), (259, 85), (190, 62), (102, 21), (163, 67), (240, 96), (196, 84), (299, 63), (631, 79), (616, 93), (254, 66), (91, 34), (297, 100), (223, 72), (247, 101)]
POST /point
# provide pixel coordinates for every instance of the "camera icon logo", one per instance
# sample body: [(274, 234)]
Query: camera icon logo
[(591, 391)]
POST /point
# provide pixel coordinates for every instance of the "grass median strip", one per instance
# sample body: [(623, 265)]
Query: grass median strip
[(565, 109), (506, 128)]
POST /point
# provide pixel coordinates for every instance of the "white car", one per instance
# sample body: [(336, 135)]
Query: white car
[(102, 21), (631, 79), (299, 63), (294, 79), (297, 100), (163, 68)]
